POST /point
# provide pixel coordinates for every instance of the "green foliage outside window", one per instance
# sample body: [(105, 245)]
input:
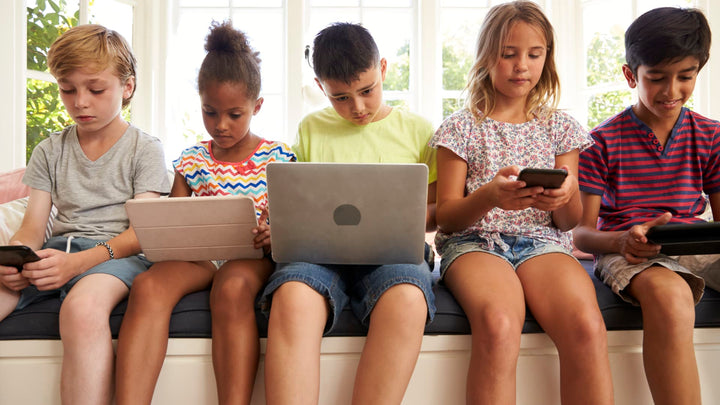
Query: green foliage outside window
[(605, 57), (397, 77), (44, 111), (456, 66)]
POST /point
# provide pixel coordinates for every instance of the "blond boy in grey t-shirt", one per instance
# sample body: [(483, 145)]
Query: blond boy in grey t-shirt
[(87, 171)]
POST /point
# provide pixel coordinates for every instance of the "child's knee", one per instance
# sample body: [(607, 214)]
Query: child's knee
[(497, 327), (404, 299), (585, 328), (234, 290), (150, 289), (82, 316)]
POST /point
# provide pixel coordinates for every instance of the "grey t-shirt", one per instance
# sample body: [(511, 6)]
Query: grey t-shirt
[(90, 195)]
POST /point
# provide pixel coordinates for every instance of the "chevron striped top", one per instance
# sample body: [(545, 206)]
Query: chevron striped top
[(639, 179), (207, 176)]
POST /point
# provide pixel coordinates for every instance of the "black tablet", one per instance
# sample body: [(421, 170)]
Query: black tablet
[(686, 239)]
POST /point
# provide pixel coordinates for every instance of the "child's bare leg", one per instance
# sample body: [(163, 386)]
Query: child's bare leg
[(490, 293), (87, 368), (292, 359), (8, 301), (561, 296), (668, 320), (236, 346), (143, 338), (393, 343)]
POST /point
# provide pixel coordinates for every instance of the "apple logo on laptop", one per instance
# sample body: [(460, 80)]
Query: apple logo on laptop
[(346, 214)]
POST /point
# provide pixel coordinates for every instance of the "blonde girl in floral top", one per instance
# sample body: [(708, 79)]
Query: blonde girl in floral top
[(506, 247)]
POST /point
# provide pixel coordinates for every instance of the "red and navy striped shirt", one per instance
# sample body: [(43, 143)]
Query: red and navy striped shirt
[(639, 179)]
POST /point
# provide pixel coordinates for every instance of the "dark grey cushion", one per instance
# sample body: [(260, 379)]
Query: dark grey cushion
[(191, 316)]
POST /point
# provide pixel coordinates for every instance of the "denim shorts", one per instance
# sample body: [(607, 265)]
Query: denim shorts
[(615, 271), (360, 286), (517, 249), (126, 269)]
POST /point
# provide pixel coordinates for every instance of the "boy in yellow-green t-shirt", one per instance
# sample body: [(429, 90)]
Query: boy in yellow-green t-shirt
[(393, 301)]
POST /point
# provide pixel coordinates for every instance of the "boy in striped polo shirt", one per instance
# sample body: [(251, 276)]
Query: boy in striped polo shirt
[(650, 165)]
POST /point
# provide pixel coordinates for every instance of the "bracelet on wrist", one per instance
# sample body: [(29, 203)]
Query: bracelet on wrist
[(109, 249)]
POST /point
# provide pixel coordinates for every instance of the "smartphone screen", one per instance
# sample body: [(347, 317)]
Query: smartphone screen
[(16, 256), (547, 178)]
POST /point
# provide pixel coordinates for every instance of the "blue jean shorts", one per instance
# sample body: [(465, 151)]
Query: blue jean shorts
[(126, 269), (516, 249), (360, 286)]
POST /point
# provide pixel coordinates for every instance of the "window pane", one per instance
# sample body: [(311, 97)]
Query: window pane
[(603, 105), (267, 122), (44, 25), (459, 32), (321, 18), (646, 5), (464, 3), (185, 53), (269, 42), (387, 3), (114, 15), (334, 3), (204, 3), (604, 26), (45, 113), (392, 31), (450, 105), (604, 32)]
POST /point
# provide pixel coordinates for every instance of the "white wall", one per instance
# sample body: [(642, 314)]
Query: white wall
[(12, 85)]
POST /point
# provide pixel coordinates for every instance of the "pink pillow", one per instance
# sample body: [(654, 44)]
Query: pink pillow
[(11, 186)]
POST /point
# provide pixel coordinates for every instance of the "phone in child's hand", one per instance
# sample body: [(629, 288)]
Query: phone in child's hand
[(16, 256), (547, 178)]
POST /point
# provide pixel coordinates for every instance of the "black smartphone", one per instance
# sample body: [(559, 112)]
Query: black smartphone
[(547, 178), (16, 256)]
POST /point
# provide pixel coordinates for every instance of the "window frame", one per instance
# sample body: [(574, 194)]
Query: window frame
[(153, 19)]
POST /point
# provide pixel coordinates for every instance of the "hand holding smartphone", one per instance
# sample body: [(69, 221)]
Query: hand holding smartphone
[(547, 178), (16, 256)]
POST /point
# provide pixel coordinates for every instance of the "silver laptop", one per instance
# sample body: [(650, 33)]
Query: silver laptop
[(347, 213), (194, 228)]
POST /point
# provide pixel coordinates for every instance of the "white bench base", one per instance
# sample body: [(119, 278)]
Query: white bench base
[(30, 370)]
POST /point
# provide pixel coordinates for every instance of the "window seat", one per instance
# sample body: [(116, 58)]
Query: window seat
[(31, 354)]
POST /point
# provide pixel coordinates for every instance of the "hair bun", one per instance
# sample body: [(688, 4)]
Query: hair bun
[(224, 38)]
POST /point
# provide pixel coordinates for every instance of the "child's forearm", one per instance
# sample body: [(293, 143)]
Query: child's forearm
[(458, 214), (125, 244), (568, 216), (590, 240), (28, 237)]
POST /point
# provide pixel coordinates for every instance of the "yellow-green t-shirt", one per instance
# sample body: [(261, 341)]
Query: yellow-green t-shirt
[(401, 137)]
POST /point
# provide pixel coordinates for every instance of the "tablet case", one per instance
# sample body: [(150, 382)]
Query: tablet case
[(194, 228), (686, 239)]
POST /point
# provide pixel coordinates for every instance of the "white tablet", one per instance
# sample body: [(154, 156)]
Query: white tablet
[(194, 228)]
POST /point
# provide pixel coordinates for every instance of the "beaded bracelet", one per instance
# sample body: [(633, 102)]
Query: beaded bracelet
[(109, 249)]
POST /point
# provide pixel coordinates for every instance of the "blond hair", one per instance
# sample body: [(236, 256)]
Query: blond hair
[(543, 98), (94, 47)]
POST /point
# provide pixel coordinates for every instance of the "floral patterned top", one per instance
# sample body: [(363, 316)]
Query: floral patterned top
[(490, 145)]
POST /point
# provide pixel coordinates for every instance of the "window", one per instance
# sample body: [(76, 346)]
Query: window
[(406, 32), (263, 22), (605, 91), (430, 45), (46, 20)]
